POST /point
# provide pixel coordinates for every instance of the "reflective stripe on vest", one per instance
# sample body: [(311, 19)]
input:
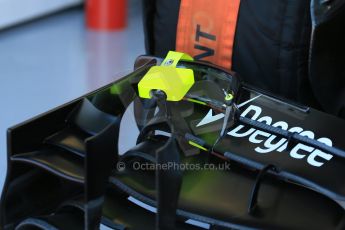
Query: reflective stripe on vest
[(206, 30)]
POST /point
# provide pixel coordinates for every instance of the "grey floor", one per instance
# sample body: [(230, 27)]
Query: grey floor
[(53, 60)]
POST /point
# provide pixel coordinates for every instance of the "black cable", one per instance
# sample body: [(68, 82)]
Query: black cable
[(292, 136)]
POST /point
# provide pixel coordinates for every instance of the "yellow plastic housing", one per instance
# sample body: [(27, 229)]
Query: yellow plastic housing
[(175, 82)]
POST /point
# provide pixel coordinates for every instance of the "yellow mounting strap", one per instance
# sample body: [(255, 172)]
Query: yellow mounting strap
[(175, 82)]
